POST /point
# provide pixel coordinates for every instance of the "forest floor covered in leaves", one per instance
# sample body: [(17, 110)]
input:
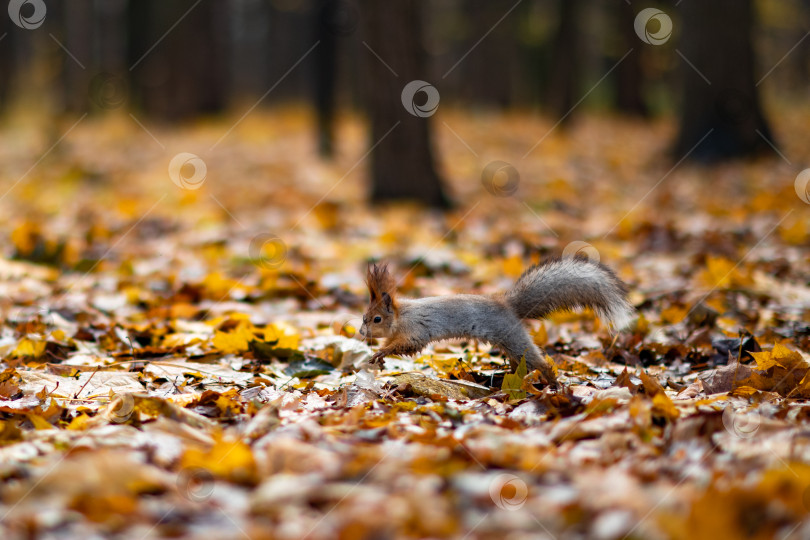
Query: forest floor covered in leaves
[(182, 363)]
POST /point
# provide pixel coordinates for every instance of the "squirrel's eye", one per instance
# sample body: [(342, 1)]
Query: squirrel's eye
[(377, 319)]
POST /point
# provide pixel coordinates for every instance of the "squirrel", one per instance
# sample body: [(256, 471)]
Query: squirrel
[(568, 283)]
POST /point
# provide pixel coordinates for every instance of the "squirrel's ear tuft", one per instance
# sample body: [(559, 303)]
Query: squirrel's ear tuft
[(379, 281), (370, 281)]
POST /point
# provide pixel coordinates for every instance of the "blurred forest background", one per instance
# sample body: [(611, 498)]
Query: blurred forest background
[(175, 61), (191, 192)]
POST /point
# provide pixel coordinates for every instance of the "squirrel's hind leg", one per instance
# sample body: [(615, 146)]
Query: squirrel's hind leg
[(522, 345)]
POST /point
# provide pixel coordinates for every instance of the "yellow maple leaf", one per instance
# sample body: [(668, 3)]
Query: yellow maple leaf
[(780, 356), (673, 314), (765, 360), (642, 325), (30, 348), (795, 233), (780, 370), (80, 423), (722, 273), (540, 336), (39, 422), (236, 340), (742, 391), (176, 340), (284, 335), (442, 363), (218, 285), (513, 266), (25, 235), (513, 382), (783, 353), (802, 390), (663, 406), (230, 459)]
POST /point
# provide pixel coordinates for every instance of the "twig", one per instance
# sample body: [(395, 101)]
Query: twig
[(90, 378)]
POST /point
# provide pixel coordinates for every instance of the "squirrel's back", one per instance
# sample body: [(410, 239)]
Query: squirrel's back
[(570, 283)]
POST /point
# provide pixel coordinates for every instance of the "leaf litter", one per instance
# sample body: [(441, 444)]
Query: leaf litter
[(163, 376)]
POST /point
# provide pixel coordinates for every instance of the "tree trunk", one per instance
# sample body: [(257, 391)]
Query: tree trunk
[(182, 73), (402, 164), (326, 74), (487, 75), (566, 53), (77, 38), (630, 74), (6, 62), (725, 102)]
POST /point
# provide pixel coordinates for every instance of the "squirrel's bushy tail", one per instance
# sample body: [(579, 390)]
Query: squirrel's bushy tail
[(571, 283)]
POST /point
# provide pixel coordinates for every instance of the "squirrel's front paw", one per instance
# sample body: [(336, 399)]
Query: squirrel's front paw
[(378, 358)]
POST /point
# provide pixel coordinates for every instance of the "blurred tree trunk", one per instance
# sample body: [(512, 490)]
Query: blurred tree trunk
[(250, 47), (488, 73), (727, 100), (6, 61), (77, 37), (630, 74), (290, 36), (326, 74), (182, 73), (565, 61), (402, 163), (797, 63), (111, 30)]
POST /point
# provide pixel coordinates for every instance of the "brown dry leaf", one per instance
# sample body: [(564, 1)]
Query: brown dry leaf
[(651, 385), (726, 378), (624, 380), (426, 386), (153, 406), (781, 370), (86, 384)]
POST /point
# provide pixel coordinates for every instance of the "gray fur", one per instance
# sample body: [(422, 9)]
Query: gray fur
[(486, 318), (459, 316), (410, 325), (571, 283)]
